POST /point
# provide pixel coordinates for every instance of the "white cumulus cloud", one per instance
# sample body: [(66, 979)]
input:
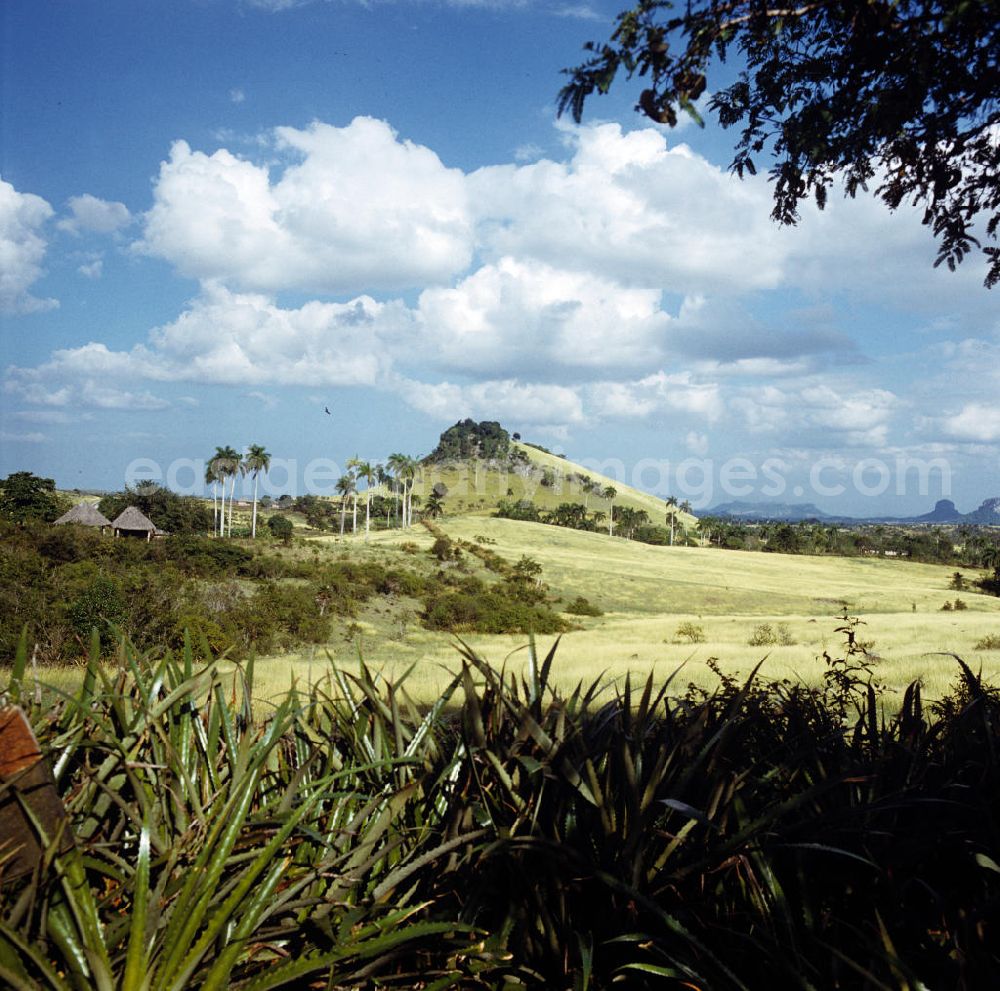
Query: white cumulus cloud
[(514, 318), (88, 213), (356, 209), (508, 399), (22, 249), (630, 207), (975, 422)]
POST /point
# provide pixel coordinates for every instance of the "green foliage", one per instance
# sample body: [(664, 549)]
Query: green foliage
[(690, 633), (766, 635), (991, 585), (990, 642), (24, 497), (522, 509), (583, 607), (170, 512), (281, 528), (445, 549), (957, 582), (755, 834), (468, 439), (493, 610), (99, 606)]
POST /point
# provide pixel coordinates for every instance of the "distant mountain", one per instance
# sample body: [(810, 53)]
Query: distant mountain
[(988, 513), (792, 512), (944, 511)]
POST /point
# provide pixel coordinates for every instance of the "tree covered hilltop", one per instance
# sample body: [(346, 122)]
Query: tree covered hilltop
[(468, 440)]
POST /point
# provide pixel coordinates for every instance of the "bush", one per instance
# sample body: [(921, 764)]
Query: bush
[(750, 834), (766, 635), (690, 633), (488, 611), (445, 549), (99, 607), (582, 607), (281, 528), (990, 642)]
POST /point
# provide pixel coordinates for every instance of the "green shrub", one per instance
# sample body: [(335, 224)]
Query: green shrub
[(488, 611), (445, 549), (99, 607), (281, 528), (990, 642), (690, 633), (205, 557), (766, 635), (582, 607)]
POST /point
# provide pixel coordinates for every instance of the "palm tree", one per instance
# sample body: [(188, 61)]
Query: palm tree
[(384, 479), (353, 464), (368, 472), (212, 478), (434, 506), (395, 463), (672, 516), (345, 486), (410, 468), (227, 464), (610, 493), (257, 460)]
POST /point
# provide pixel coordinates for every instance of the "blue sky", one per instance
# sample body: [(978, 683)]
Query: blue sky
[(219, 216)]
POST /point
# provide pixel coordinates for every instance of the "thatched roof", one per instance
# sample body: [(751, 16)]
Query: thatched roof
[(132, 518), (86, 514)]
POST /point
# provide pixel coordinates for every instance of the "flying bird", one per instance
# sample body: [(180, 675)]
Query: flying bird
[(326, 409)]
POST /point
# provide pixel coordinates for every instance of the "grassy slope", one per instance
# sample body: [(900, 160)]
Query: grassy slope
[(646, 592), (466, 494)]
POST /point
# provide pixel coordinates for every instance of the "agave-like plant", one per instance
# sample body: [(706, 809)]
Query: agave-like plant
[(510, 835), (214, 848)]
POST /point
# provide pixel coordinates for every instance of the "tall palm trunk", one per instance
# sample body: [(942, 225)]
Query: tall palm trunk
[(354, 511), (343, 512), (215, 507), (232, 496), (253, 525), (368, 510)]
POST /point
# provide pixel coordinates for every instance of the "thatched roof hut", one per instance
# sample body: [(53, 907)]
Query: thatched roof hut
[(132, 522), (85, 514)]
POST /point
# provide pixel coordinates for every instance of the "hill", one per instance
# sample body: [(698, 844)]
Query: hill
[(477, 485)]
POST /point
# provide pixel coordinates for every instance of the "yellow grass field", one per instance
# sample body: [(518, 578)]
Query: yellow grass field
[(647, 592)]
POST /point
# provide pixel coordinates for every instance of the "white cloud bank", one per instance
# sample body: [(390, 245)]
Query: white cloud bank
[(620, 284), (22, 249)]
